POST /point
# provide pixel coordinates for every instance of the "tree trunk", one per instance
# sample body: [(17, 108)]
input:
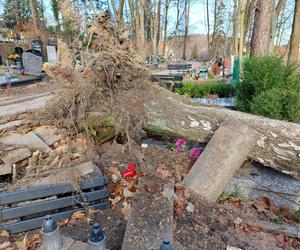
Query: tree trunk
[(142, 29), (278, 9), (33, 14), (235, 39), (158, 26), (137, 104), (242, 9), (208, 28), (278, 145), (295, 36), (186, 28), (262, 28), (165, 26), (17, 13)]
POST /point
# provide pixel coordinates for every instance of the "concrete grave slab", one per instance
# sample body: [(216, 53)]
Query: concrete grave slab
[(226, 151), (11, 124), (15, 155), (5, 169), (48, 135), (29, 140), (257, 181), (151, 218)]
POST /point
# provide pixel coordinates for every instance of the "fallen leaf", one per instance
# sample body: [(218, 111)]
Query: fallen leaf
[(262, 204), (4, 234), (163, 172), (126, 209), (180, 205), (280, 238), (251, 229), (234, 201), (5, 245), (115, 200), (78, 215), (63, 222)]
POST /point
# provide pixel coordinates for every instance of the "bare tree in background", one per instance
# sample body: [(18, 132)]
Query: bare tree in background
[(261, 36), (279, 7), (295, 36), (33, 14), (186, 27)]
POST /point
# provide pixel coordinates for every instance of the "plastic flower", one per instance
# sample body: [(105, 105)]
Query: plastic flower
[(180, 145), (195, 153)]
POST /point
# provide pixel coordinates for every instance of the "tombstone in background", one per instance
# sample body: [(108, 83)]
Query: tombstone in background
[(32, 62), (37, 45), (51, 54)]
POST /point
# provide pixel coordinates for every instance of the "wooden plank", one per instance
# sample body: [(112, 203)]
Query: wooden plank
[(35, 223), (49, 205), (48, 190)]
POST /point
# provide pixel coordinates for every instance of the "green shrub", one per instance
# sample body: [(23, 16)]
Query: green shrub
[(269, 88), (205, 89)]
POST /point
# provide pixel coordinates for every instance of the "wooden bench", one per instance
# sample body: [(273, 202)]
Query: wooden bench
[(25, 209), (179, 67)]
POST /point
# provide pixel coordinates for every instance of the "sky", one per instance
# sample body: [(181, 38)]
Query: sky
[(197, 15)]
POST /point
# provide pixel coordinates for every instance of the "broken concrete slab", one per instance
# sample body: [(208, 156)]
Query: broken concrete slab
[(257, 181), (5, 169), (15, 155), (11, 124), (48, 135), (224, 154), (70, 174), (29, 140), (150, 220)]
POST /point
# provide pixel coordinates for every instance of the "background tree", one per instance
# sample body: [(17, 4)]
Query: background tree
[(295, 36), (261, 36), (55, 10)]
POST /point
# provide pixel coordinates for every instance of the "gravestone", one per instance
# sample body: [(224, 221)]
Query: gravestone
[(51, 54), (37, 45), (32, 63)]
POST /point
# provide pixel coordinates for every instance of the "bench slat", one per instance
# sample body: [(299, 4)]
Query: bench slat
[(35, 223), (43, 206), (48, 190)]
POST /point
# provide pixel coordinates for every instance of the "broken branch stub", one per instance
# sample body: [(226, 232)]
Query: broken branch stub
[(223, 155)]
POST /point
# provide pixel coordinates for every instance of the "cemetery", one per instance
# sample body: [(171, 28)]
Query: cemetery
[(122, 128)]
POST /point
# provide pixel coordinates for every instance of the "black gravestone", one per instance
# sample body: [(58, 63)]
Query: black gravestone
[(37, 45)]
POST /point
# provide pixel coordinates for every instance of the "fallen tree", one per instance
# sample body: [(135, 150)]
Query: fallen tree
[(111, 94)]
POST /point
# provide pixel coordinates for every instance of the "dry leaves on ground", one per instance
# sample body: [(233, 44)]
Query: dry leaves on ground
[(32, 242), (163, 172), (4, 234), (126, 209)]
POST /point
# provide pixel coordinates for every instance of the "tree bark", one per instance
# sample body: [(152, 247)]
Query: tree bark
[(235, 39), (186, 28), (167, 4), (278, 145), (262, 28), (208, 28), (295, 36), (33, 14), (242, 9), (158, 26)]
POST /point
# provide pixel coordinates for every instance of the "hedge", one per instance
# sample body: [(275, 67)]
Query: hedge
[(205, 89)]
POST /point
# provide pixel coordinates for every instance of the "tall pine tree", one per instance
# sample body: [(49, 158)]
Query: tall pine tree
[(14, 10)]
